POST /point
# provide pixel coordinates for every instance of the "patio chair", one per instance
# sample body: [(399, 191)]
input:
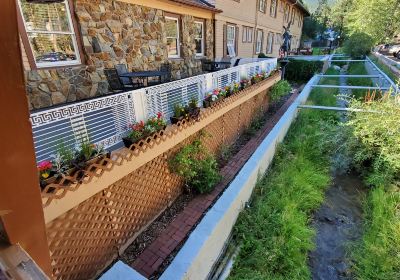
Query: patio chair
[(127, 82), (206, 65), (114, 80), (167, 68)]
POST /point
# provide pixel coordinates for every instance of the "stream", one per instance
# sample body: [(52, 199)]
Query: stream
[(338, 222)]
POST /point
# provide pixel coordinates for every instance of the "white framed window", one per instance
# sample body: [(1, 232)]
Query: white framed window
[(270, 42), (231, 39), (199, 38), (172, 34), (261, 5), (274, 8), (259, 40), (247, 36), (50, 32)]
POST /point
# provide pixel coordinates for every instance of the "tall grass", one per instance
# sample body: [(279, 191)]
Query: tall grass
[(358, 68), (378, 254), (274, 233)]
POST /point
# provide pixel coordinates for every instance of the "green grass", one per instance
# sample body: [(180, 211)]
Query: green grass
[(275, 232), (358, 68), (384, 68), (378, 254)]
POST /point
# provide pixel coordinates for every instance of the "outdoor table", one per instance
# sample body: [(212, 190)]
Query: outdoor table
[(144, 75), (217, 65)]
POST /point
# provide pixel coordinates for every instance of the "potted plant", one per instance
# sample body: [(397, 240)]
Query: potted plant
[(180, 113), (193, 108), (235, 88), (135, 134), (244, 83), (142, 129), (46, 173), (67, 161), (212, 98), (228, 91)]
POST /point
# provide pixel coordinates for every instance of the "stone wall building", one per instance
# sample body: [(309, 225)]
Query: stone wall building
[(67, 45)]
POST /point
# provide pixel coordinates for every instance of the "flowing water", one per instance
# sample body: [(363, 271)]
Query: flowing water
[(338, 223)]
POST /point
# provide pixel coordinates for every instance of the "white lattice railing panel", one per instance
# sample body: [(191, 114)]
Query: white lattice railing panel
[(226, 77), (102, 121), (163, 98)]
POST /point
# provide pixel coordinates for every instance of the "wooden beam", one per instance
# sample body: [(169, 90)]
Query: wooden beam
[(19, 187)]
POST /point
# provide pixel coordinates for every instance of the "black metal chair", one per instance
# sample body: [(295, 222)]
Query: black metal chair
[(127, 82), (114, 80), (165, 78), (167, 69), (206, 65)]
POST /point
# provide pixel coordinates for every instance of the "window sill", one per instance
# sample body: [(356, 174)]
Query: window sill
[(58, 67), (175, 59)]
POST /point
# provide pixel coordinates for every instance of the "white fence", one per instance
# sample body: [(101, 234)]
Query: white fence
[(105, 120)]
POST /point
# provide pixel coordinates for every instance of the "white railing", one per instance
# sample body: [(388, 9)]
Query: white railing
[(105, 120)]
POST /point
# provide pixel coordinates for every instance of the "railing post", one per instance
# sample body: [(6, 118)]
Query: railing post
[(243, 72), (138, 98)]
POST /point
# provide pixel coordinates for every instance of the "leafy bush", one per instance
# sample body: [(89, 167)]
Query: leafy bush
[(301, 70), (358, 45), (197, 166), (373, 139), (280, 89)]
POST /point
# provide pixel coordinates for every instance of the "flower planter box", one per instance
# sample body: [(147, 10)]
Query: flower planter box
[(77, 171), (175, 120), (209, 103), (128, 142)]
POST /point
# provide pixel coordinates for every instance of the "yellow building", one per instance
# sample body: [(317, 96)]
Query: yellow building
[(246, 28)]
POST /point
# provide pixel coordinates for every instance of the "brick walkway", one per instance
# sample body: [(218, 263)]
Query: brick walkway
[(177, 231)]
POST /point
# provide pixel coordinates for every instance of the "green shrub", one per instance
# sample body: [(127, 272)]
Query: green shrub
[(375, 137), (262, 55), (197, 166), (280, 89), (358, 45), (301, 70)]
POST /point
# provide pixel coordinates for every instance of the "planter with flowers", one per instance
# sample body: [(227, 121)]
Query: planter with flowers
[(187, 112), (244, 83), (258, 78), (70, 162), (142, 130), (213, 98)]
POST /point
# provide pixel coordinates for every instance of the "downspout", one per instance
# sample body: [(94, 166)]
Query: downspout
[(255, 31)]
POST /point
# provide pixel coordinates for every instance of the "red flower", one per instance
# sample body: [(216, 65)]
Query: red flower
[(159, 115), (44, 165)]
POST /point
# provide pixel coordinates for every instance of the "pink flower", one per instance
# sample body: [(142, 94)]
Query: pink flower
[(44, 165)]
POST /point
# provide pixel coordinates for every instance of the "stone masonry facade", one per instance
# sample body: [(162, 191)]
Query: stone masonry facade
[(113, 33)]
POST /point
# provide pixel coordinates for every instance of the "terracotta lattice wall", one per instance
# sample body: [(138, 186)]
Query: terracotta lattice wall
[(84, 240)]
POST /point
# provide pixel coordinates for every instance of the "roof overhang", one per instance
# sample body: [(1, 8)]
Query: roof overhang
[(198, 4), (301, 6)]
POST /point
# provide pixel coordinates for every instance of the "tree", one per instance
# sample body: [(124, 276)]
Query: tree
[(378, 18), (322, 15)]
